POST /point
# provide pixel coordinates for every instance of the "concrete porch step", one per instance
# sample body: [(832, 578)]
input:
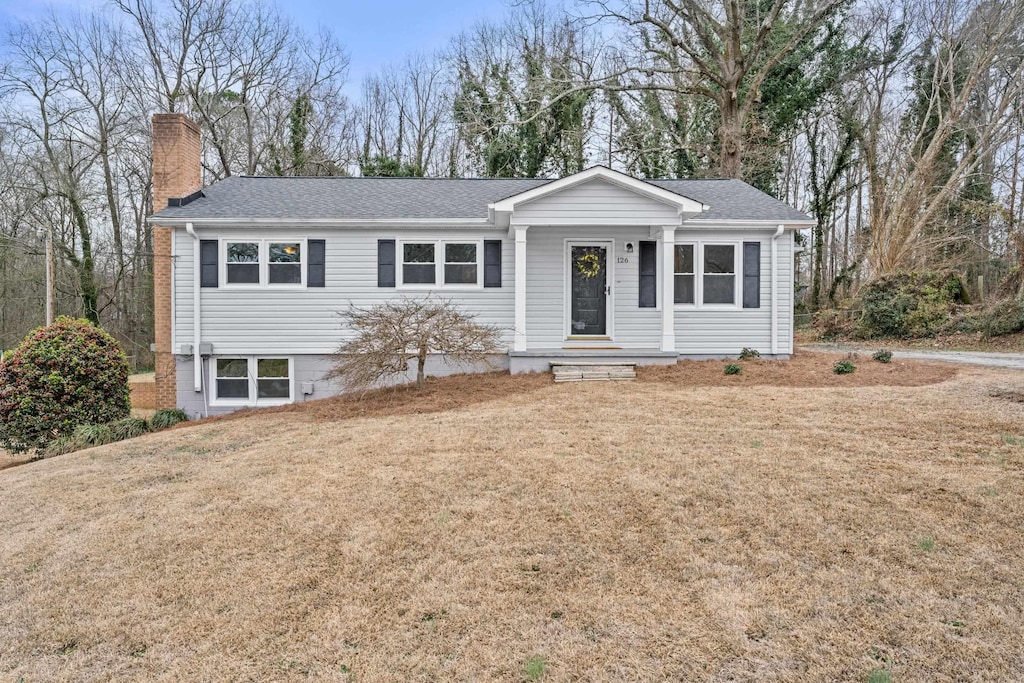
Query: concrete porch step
[(589, 372)]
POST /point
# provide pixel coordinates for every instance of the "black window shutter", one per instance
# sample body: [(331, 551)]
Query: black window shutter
[(751, 275), (316, 255), (208, 256), (492, 263), (648, 274), (385, 263)]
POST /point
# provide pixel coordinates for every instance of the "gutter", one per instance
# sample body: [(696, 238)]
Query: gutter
[(197, 359), (775, 289), (251, 222)]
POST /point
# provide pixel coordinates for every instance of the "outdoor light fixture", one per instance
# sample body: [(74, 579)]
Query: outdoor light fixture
[(629, 247)]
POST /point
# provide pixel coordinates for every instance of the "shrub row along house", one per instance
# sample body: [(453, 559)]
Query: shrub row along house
[(252, 272)]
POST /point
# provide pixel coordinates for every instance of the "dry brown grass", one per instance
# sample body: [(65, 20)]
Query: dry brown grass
[(655, 530), (961, 341)]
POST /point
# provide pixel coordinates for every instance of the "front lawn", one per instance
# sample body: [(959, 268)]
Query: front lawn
[(759, 528)]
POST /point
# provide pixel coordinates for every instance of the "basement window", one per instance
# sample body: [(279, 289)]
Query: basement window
[(252, 381)]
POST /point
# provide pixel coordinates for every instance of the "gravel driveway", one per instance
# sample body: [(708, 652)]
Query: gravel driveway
[(992, 360)]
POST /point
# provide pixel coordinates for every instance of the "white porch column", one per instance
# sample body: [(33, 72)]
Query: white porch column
[(668, 308), (519, 334)]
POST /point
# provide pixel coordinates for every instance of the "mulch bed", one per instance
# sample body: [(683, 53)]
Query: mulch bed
[(803, 369)]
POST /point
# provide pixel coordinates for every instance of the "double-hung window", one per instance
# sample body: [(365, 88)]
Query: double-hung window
[(705, 274), (284, 263), (443, 263), (460, 263), (252, 380), (264, 262), (684, 274), (719, 274), (419, 264), (243, 263)]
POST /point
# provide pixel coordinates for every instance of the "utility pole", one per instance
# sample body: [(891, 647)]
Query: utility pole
[(49, 276)]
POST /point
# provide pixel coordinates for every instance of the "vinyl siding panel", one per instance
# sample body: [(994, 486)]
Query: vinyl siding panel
[(595, 202), (300, 320), (546, 301), (728, 331)]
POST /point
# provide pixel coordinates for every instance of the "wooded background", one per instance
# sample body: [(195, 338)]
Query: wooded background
[(897, 125)]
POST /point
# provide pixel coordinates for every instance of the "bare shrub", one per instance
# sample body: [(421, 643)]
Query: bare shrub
[(389, 335)]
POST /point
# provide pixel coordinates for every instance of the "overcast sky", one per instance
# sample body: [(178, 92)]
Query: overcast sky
[(375, 32)]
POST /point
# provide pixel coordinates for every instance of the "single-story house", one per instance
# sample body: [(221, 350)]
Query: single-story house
[(251, 273)]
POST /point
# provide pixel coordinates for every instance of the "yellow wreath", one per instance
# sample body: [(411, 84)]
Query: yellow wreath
[(588, 265)]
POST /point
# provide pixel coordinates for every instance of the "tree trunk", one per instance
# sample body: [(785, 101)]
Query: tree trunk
[(86, 266), (730, 139), (421, 362)]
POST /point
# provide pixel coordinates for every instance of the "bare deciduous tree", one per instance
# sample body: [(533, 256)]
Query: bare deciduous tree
[(387, 337)]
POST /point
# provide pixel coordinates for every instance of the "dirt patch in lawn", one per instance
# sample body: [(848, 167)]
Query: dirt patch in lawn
[(803, 369)]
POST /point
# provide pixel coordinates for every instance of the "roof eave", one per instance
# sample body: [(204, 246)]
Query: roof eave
[(789, 224), (180, 221), (682, 203)]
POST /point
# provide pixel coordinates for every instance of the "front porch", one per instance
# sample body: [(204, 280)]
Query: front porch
[(540, 360), (593, 267)]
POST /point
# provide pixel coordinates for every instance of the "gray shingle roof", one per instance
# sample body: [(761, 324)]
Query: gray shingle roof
[(246, 197)]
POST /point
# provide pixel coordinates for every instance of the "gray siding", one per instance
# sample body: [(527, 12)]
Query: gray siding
[(308, 368), (247, 320), (727, 332), (546, 263), (304, 323), (595, 202)]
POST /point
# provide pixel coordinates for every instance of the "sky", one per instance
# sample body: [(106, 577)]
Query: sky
[(375, 33)]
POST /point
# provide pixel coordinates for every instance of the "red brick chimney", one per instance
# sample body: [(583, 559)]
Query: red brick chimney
[(177, 172)]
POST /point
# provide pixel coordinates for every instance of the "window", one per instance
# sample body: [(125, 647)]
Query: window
[(285, 263), (243, 262), (705, 274), (460, 264), (262, 262), (232, 378), (252, 380), (684, 277), (441, 263), (418, 265), (272, 378), (719, 274)]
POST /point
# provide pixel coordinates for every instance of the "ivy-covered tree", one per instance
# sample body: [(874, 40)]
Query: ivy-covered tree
[(389, 167), (519, 107), (757, 62)]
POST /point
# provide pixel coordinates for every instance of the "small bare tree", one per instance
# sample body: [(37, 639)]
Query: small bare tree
[(387, 336)]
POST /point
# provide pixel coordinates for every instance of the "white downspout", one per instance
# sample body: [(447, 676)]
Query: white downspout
[(197, 359), (775, 289)]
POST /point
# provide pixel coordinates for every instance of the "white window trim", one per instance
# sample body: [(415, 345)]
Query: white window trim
[(439, 263), (264, 262), (698, 275), (251, 365)]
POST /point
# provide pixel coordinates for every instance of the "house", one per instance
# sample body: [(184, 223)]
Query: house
[(252, 272)]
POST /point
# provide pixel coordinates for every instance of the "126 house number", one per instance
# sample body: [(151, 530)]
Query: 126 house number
[(622, 259)]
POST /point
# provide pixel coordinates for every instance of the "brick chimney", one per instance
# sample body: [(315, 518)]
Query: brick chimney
[(177, 172)]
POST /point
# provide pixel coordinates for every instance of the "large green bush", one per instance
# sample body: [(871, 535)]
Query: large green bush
[(62, 376), (910, 304)]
